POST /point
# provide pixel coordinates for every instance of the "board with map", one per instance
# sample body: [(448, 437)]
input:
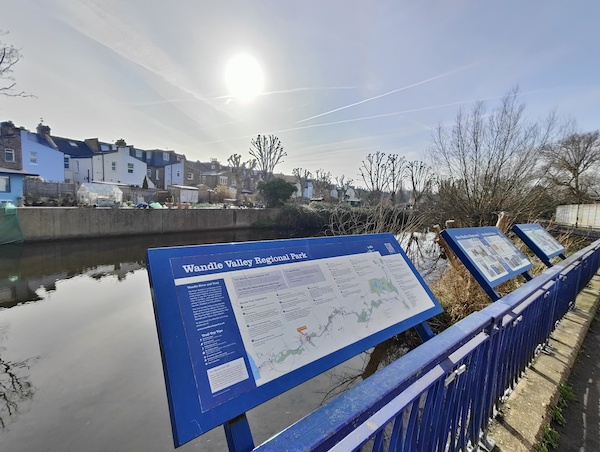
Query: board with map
[(539, 240), (488, 254), (240, 323)]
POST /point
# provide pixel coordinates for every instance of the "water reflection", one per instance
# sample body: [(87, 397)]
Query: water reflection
[(80, 365), (25, 268), (15, 388)]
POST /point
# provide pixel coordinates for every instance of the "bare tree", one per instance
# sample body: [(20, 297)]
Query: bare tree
[(9, 57), (573, 164), (302, 175), (488, 162), (322, 184), (374, 173), (268, 152), (420, 178), (343, 185), (396, 167), (241, 172)]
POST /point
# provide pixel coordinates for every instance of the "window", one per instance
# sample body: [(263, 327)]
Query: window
[(4, 184), (67, 162), (157, 175), (166, 156), (138, 153), (77, 166), (203, 179), (178, 174), (113, 165), (223, 180), (33, 158), (190, 176), (9, 155), (149, 172), (130, 168)]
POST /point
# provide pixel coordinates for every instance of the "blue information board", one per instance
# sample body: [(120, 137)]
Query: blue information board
[(488, 254), (240, 323), (539, 240)]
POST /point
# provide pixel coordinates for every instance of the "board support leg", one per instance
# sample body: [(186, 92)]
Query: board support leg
[(424, 331), (238, 434)]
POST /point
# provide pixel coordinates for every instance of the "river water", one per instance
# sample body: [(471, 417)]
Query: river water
[(80, 365)]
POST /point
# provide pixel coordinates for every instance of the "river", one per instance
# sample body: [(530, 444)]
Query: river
[(80, 365)]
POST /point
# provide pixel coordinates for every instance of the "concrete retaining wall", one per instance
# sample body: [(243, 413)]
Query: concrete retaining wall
[(57, 223)]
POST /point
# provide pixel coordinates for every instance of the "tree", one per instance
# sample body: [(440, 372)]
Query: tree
[(276, 191), (322, 184), (420, 178), (268, 152), (374, 173), (241, 172), (343, 185), (222, 193), (396, 171), (302, 175), (383, 174), (9, 57), (572, 166), (488, 162)]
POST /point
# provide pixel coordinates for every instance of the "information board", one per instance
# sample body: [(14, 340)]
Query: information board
[(539, 240), (488, 254), (241, 323)]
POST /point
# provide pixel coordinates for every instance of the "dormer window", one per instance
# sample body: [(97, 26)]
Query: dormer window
[(166, 157)]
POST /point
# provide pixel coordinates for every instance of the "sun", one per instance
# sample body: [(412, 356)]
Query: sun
[(244, 77)]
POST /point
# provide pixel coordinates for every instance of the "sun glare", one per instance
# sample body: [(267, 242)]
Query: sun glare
[(244, 77)]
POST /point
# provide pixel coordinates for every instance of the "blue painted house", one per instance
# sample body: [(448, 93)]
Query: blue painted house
[(12, 172)]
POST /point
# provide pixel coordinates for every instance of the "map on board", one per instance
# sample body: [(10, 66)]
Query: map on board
[(494, 256), (293, 314), (240, 323), (539, 239)]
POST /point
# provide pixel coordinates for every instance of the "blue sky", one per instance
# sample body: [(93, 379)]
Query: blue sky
[(342, 78)]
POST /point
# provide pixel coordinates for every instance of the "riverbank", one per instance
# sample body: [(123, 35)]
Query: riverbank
[(62, 223)]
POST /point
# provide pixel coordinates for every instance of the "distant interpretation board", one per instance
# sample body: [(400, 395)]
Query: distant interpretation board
[(240, 323), (539, 240), (488, 254)]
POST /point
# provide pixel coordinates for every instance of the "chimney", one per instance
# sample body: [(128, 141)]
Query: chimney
[(7, 128), (44, 132)]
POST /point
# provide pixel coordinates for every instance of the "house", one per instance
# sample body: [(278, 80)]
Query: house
[(41, 155), (163, 168), (12, 171), (116, 163), (78, 159)]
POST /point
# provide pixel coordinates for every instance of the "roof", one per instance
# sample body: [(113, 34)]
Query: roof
[(184, 187), (37, 138), (74, 148), (15, 171)]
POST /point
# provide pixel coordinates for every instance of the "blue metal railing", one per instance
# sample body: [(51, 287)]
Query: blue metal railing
[(442, 395)]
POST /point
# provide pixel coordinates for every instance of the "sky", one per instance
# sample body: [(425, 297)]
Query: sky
[(341, 79)]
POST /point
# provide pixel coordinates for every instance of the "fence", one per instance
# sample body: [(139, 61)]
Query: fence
[(443, 395), (39, 189)]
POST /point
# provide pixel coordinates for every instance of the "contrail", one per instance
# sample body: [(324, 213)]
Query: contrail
[(388, 93)]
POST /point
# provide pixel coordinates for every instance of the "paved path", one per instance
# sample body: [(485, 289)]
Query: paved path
[(581, 431), (525, 415)]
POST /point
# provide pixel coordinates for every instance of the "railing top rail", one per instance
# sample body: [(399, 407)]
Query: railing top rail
[(328, 424)]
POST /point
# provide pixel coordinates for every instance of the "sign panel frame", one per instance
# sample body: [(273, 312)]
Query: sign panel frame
[(540, 241), (218, 306), (488, 255)]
